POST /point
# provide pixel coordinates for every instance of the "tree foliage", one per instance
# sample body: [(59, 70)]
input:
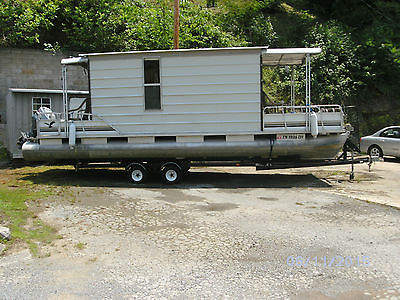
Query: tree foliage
[(107, 25), (334, 76)]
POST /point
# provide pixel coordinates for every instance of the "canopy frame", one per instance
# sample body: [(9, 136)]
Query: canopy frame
[(292, 57)]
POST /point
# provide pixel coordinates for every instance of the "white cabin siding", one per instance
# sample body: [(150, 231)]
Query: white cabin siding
[(200, 93)]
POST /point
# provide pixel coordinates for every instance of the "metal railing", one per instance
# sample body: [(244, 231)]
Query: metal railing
[(51, 124), (302, 109), (329, 117)]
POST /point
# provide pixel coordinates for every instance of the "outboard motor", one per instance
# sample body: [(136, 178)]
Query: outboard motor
[(31, 135)]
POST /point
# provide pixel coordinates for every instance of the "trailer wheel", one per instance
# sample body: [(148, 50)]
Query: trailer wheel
[(137, 173), (171, 173)]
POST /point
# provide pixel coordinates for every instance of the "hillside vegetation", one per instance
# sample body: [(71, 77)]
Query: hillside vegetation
[(359, 65)]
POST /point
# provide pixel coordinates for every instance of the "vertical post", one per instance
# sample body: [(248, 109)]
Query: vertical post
[(292, 90), (352, 165), (309, 79), (65, 98), (308, 90), (176, 24)]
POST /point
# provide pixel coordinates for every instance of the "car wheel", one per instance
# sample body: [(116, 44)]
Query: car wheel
[(375, 150)]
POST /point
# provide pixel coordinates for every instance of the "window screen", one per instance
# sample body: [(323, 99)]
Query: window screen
[(152, 97), (151, 71), (38, 102), (152, 90)]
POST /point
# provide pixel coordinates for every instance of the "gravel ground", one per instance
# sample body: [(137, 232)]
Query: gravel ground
[(222, 233)]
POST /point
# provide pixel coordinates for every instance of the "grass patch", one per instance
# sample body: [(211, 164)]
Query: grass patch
[(25, 187), (24, 224), (80, 245), (3, 153)]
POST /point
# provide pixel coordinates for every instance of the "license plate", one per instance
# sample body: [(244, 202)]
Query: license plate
[(291, 137)]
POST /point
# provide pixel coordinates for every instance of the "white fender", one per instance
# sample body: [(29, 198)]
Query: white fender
[(314, 124)]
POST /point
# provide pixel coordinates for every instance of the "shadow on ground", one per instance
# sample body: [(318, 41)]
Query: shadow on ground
[(196, 179), (392, 159)]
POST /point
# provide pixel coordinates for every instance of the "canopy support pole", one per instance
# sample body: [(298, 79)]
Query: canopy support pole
[(308, 91), (292, 89), (65, 97)]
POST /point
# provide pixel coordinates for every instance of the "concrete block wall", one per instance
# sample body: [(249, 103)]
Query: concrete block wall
[(31, 68)]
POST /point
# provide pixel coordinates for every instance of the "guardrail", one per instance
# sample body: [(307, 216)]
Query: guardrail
[(296, 119), (302, 109), (53, 124)]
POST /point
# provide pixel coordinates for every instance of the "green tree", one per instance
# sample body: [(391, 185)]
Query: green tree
[(335, 70), (249, 20), (23, 22)]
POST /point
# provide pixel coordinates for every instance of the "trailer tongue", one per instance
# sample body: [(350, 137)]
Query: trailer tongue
[(159, 110)]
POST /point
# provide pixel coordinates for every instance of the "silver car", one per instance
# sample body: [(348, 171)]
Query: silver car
[(384, 142)]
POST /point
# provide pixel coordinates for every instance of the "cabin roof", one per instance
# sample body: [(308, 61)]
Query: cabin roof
[(179, 51), (287, 56), (270, 56), (46, 91)]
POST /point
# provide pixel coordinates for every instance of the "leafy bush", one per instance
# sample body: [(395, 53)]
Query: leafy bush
[(335, 70), (107, 25)]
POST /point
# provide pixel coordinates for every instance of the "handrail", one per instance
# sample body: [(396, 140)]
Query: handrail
[(302, 109), (285, 117), (59, 118)]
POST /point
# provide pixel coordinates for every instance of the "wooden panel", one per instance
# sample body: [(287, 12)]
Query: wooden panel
[(117, 101), (94, 140), (114, 63), (244, 98), (240, 138), (141, 139), (115, 73), (209, 89), (173, 129), (127, 91), (205, 80), (50, 141), (190, 139), (117, 83), (180, 119), (213, 70), (216, 59)]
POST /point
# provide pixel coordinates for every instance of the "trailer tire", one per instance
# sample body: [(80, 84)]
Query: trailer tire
[(137, 173), (171, 173)]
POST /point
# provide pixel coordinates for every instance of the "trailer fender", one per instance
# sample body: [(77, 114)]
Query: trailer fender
[(170, 163)]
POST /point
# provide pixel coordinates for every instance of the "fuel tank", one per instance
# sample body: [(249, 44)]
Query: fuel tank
[(322, 147)]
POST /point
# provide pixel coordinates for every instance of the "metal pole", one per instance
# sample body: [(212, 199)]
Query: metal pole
[(307, 115), (309, 79), (292, 91), (176, 24), (308, 90), (65, 97)]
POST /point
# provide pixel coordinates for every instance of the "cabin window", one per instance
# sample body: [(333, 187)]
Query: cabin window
[(38, 102), (152, 91)]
